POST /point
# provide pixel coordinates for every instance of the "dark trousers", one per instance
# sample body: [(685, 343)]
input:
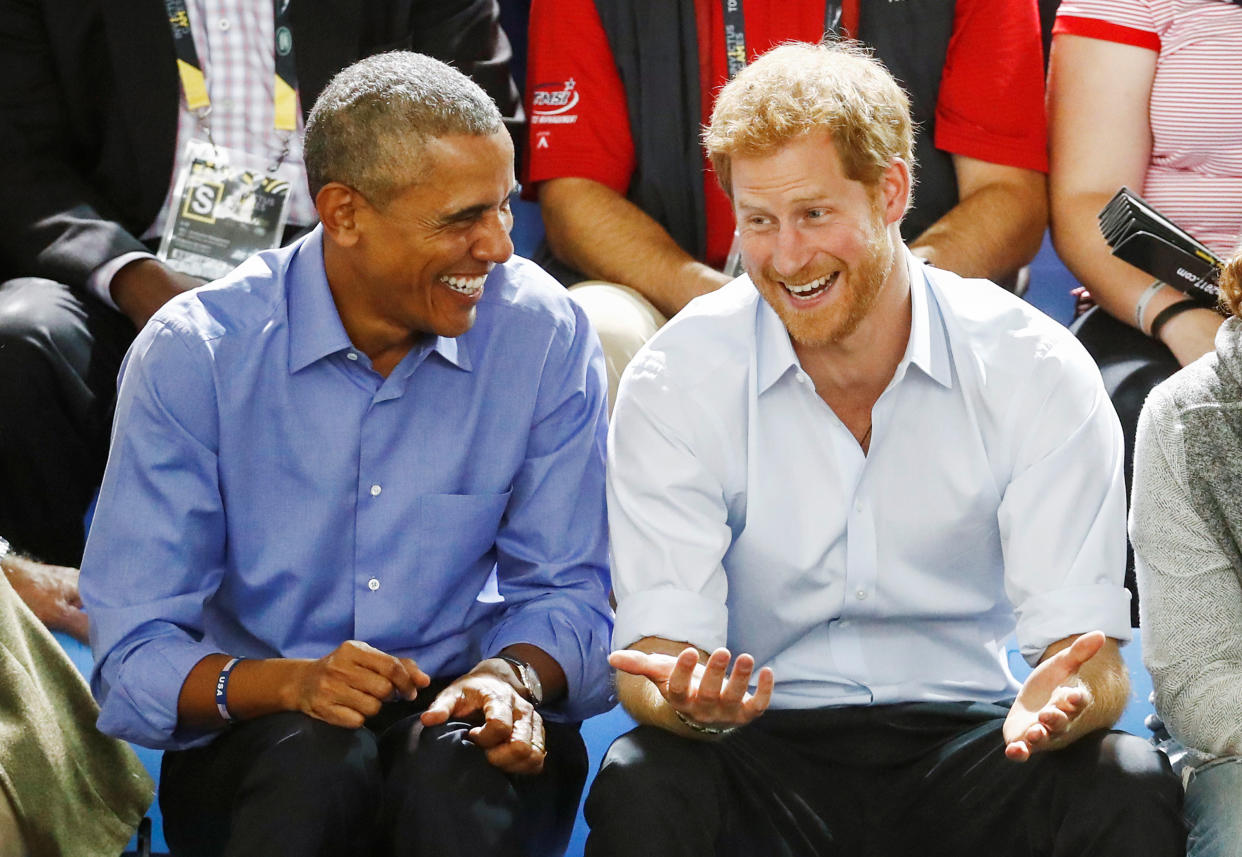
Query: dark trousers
[(890, 781), (60, 350), (288, 784)]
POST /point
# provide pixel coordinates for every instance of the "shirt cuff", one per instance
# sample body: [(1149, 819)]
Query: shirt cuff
[(141, 696), (673, 614), (99, 283), (1051, 616), (581, 652), (1106, 31)]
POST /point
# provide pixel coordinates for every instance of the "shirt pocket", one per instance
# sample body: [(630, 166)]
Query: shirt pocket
[(456, 537)]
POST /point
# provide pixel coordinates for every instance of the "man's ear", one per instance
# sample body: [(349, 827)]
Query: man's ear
[(895, 190), (338, 205)]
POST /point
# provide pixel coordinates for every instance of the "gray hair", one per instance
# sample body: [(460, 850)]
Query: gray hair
[(370, 125)]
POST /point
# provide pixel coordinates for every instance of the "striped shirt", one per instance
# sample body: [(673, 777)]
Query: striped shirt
[(1195, 172)]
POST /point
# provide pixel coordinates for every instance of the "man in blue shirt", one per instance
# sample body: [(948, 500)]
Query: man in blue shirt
[(349, 560)]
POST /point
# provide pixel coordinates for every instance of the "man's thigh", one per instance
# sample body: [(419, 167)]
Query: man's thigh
[(442, 796), (1214, 809), (284, 784), (1108, 793)]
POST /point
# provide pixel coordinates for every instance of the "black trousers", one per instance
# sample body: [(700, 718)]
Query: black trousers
[(882, 781), (288, 784), (60, 350)]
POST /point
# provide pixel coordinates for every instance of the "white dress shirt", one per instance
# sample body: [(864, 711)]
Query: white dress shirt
[(744, 514)]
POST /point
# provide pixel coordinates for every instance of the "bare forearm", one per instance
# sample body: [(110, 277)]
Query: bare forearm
[(256, 688), (1107, 683), (642, 699), (604, 235), (992, 232)]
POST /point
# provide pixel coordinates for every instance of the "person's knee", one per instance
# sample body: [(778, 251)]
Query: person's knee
[(1214, 809), (1128, 777), (653, 764), (328, 768)]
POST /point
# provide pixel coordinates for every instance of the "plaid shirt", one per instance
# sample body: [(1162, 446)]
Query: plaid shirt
[(235, 42)]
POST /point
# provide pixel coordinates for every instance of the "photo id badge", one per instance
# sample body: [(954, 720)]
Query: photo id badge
[(226, 207)]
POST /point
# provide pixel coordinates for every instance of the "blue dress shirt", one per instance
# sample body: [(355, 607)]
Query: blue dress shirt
[(268, 494)]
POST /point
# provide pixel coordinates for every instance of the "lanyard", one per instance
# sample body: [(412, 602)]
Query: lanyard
[(735, 30), (191, 70)]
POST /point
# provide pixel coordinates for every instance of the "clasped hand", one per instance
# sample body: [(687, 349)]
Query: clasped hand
[(703, 692), (1051, 701), (512, 733)]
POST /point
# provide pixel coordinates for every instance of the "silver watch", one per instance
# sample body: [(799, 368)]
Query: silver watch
[(527, 676), (4, 548)]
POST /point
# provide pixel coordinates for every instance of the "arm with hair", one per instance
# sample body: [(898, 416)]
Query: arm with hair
[(601, 233), (1101, 140), (996, 226)]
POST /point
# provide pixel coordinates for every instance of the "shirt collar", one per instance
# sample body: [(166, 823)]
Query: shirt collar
[(927, 348), (315, 328)]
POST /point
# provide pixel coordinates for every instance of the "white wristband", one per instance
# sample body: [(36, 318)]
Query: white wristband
[(1143, 301)]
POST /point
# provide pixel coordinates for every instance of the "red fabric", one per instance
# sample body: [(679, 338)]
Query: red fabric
[(1107, 31), (991, 104)]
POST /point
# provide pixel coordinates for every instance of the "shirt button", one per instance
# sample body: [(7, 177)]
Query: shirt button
[(373, 584), (861, 595), (858, 505), (224, 24), (352, 355), (375, 490)]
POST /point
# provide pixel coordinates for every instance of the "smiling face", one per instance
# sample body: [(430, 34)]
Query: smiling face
[(418, 262), (818, 245)]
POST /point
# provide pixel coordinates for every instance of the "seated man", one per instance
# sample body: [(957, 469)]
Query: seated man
[(349, 560), (619, 91), (861, 473), (96, 130)]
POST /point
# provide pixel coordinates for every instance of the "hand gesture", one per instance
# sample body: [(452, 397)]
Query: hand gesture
[(350, 684), (701, 692), (511, 735), (1051, 701)]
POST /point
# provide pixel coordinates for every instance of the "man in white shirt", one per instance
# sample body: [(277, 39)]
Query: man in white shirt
[(863, 484)]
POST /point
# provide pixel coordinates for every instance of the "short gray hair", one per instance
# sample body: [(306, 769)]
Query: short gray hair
[(370, 125)]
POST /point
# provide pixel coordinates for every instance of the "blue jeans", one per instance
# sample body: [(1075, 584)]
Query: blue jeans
[(1214, 809)]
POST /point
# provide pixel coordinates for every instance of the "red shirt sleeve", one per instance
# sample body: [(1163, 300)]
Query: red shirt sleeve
[(579, 125), (991, 103)]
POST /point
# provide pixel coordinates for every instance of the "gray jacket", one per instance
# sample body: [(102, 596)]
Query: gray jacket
[(1186, 525)]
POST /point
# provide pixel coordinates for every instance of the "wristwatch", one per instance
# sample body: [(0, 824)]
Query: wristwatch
[(527, 676)]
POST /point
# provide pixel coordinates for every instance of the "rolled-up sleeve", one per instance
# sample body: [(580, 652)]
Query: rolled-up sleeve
[(1062, 516), (552, 566), (156, 546), (667, 518)]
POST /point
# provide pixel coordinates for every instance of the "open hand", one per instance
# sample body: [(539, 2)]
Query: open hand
[(352, 682), (1051, 701), (702, 692), (511, 734)]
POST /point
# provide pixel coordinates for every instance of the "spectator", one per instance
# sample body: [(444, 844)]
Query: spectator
[(50, 591), (367, 599), (619, 91), (94, 135), (844, 467), (64, 787), (1186, 523), (1143, 94)]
